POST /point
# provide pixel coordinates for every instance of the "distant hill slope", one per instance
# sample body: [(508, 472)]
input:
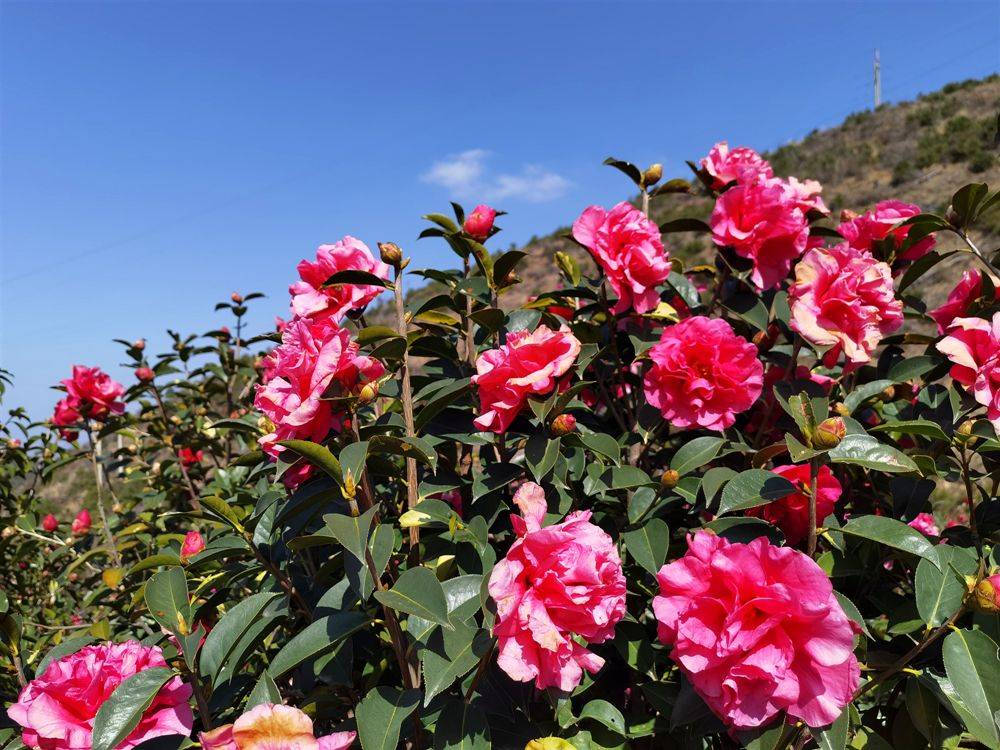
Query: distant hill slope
[(919, 152)]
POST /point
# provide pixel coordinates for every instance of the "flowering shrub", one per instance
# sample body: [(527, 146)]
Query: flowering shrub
[(660, 506)]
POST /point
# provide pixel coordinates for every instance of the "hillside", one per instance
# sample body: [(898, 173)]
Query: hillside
[(919, 152)]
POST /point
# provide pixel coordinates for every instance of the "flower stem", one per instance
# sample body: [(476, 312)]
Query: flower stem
[(101, 510), (406, 394)]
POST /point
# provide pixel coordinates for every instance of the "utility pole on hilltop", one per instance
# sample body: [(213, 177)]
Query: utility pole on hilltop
[(877, 67)]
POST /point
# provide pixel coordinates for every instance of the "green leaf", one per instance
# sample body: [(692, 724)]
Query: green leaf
[(540, 454), (972, 665), (648, 544), (627, 168), (685, 224), (352, 461), (911, 368), (265, 691), (864, 450), (318, 455), (604, 713), (153, 561), (768, 738), (418, 592), (751, 488), (507, 263), (230, 629), (696, 453), (603, 444), (168, 601), (940, 589), (222, 509), (892, 533), (381, 715), (461, 726), (461, 649), (923, 427), (351, 531), (864, 392), (120, 714), (834, 736), (315, 640), (356, 276), (924, 709)]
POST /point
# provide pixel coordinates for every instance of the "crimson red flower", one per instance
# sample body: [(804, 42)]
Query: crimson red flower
[(791, 513), (81, 524), (50, 523), (190, 457), (479, 223), (193, 544)]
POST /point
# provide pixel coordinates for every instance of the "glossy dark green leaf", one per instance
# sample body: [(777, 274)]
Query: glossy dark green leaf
[(166, 597), (940, 589), (351, 531), (751, 488), (696, 453), (381, 714), (120, 714), (314, 640), (972, 665), (462, 726), (220, 642), (648, 544), (418, 592), (892, 533), (864, 450)]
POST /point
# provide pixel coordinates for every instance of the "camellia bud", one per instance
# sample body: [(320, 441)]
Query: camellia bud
[(669, 479), (765, 339), (236, 297), (829, 433), (368, 393), (986, 594), (139, 344), (952, 217), (652, 175), (569, 267), (563, 424), (479, 223), (144, 374), (888, 393), (391, 254), (841, 409)]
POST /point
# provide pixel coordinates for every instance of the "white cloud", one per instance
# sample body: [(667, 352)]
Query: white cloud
[(465, 175)]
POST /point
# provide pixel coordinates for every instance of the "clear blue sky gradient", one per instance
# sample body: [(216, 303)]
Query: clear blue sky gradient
[(157, 156)]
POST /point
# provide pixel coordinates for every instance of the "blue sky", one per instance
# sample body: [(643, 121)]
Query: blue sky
[(157, 156)]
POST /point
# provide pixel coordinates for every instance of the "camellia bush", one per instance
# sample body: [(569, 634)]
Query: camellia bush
[(660, 506)]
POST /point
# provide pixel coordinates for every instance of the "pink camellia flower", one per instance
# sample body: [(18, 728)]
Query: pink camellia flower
[(193, 544), (762, 220), (190, 457), (530, 363), (862, 232), (757, 631), (316, 361), (925, 524), (725, 165), (64, 416), (843, 298), (960, 299), (791, 513), (557, 584), (273, 727), (81, 524), (92, 393), (703, 374), (144, 374), (806, 193), (57, 708), (479, 223), (628, 247), (310, 299), (973, 346), (50, 523)]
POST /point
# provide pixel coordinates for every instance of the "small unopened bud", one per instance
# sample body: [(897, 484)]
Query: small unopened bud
[(669, 479), (765, 339), (567, 266), (236, 297), (888, 393), (391, 254), (652, 175), (479, 223), (952, 217), (966, 431), (829, 433), (368, 393), (139, 344), (841, 409), (144, 374), (563, 424), (986, 594)]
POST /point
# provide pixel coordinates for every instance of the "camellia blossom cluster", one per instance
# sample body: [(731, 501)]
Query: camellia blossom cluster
[(629, 249), (862, 232), (316, 362), (90, 394), (557, 583), (57, 709), (273, 727), (757, 630), (844, 299), (530, 363), (311, 299), (703, 374), (973, 346), (966, 292)]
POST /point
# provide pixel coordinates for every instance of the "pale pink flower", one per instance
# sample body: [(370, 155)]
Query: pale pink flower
[(479, 223), (316, 362), (925, 524), (807, 196), (529, 364), (273, 727), (960, 299), (726, 165), (761, 220), (557, 584), (757, 630), (973, 346), (703, 374), (843, 298), (862, 232), (629, 249), (310, 299), (57, 708), (791, 512)]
